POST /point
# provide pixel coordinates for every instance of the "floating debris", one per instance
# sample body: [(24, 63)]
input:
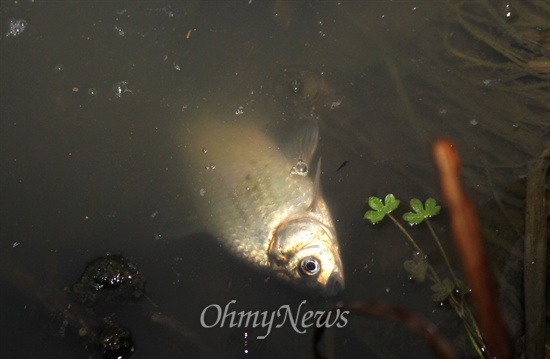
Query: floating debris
[(115, 341), (120, 31), (101, 337), (121, 88), (342, 165), (16, 27), (108, 278)]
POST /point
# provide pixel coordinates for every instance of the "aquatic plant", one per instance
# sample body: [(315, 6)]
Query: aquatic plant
[(450, 289)]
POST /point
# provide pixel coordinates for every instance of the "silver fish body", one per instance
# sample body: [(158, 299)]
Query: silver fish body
[(258, 202)]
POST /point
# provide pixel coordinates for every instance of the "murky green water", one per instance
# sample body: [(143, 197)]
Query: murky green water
[(92, 95)]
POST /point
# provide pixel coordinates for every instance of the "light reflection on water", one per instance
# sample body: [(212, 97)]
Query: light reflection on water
[(91, 97)]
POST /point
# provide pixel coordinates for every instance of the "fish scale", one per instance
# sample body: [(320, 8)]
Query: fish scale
[(240, 182), (260, 204)]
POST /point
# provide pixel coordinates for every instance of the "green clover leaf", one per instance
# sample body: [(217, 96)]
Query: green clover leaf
[(380, 209), (416, 267), (421, 212), (461, 286), (442, 290)]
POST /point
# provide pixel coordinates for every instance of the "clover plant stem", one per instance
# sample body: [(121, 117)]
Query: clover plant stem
[(442, 250), (415, 245), (404, 231), (434, 274), (463, 311), (469, 322), (473, 340), (471, 319)]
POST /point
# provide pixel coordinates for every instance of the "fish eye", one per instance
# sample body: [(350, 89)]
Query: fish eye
[(310, 266)]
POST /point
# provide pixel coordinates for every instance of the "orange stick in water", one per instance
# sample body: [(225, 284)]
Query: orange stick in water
[(468, 240)]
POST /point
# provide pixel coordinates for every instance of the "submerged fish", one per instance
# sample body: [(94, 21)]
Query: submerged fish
[(259, 202)]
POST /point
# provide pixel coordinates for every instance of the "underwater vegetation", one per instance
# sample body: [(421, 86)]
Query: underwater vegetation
[(489, 338), (450, 289)]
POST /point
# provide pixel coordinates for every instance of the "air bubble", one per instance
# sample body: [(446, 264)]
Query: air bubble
[(121, 89), (120, 31), (16, 27), (300, 168), (335, 104)]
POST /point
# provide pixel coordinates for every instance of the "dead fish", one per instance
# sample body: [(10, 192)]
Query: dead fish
[(259, 202)]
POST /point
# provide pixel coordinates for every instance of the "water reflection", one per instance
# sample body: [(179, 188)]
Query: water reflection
[(83, 171)]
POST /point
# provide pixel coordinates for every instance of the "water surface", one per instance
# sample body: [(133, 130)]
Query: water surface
[(93, 94)]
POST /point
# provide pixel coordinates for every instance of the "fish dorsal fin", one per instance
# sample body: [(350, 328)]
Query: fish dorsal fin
[(316, 188), (303, 144)]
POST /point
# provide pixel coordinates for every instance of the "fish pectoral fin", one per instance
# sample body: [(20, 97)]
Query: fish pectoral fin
[(183, 228), (313, 207), (303, 143)]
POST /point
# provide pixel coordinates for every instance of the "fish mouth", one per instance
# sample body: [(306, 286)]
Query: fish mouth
[(335, 283)]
